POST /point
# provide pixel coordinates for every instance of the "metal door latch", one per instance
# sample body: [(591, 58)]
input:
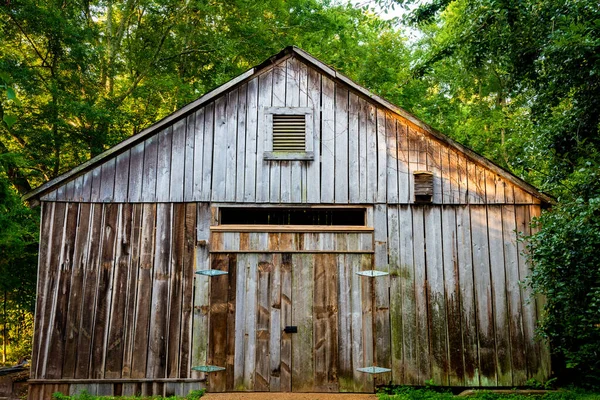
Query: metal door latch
[(290, 329)]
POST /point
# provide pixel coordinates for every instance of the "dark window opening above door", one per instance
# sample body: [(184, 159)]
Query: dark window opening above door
[(293, 216)]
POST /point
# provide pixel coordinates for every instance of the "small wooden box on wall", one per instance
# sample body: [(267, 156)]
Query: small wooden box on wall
[(423, 186)]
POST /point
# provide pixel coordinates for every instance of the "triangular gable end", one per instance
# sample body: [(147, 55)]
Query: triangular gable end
[(212, 150)]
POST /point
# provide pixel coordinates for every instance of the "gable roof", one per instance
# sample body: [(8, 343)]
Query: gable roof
[(325, 69)]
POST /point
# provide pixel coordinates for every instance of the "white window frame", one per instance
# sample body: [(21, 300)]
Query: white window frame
[(267, 120)]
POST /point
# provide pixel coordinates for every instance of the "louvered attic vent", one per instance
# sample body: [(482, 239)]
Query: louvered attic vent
[(289, 133)]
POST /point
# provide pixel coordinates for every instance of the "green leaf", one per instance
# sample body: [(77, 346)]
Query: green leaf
[(10, 93), (9, 119)]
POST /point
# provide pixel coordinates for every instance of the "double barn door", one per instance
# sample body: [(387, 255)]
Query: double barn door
[(295, 321)]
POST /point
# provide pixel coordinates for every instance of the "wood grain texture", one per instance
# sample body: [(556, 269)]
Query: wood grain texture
[(303, 363), (217, 152)]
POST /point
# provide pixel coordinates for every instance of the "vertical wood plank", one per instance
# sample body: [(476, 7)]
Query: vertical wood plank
[(187, 303), (392, 158), (240, 145), (163, 169), (403, 163), (467, 293), (132, 282), (327, 140), (381, 157), (178, 159), (136, 169), (201, 292), (220, 153), (75, 300), (175, 291), (144, 291), (353, 149), (250, 158), (396, 296), (501, 320), (103, 295), (456, 371), (121, 177), (409, 305), (230, 137), (240, 332), (286, 320), (250, 321), (95, 186), (434, 164), (463, 180), (362, 382), (157, 341), (371, 133), (422, 317), (231, 322), (362, 150), (344, 315), (275, 342), (484, 307), (189, 158), (325, 325), (107, 185), (313, 169), (64, 249), (265, 93), (115, 349), (197, 135), (436, 295), (381, 329), (86, 186), (303, 367), (88, 310), (149, 170), (263, 325), (513, 294), (341, 182), (217, 333), (210, 137)]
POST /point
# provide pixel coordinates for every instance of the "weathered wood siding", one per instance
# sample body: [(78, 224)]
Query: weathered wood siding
[(363, 154), (119, 304), (458, 313), (115, 297), (302, 279)]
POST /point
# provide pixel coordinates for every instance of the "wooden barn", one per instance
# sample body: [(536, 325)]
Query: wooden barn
[(288, 231)]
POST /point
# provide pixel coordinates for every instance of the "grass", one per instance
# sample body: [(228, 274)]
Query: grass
[(410, 393), (194, 395)]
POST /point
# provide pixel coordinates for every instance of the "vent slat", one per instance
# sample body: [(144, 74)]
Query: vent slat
[(289, 133)]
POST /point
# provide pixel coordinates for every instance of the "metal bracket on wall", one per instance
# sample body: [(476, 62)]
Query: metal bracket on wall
[(208, 368), (372, 273), (211, 272), (373, 370)]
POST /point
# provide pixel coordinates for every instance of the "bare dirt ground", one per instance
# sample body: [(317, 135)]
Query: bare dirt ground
[(289, 396)]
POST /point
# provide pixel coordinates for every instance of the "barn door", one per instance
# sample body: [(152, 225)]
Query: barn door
[(289, 322)]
